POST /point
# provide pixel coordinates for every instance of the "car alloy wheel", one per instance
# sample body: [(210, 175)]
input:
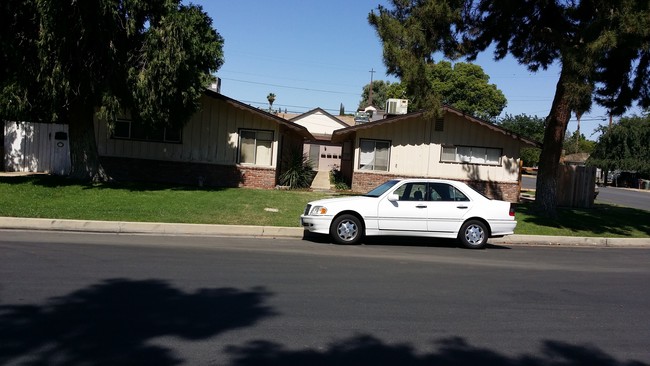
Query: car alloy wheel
[(473, 234), (346, 229)]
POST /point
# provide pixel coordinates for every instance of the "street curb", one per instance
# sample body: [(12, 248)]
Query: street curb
[(123, 227), (575, 241)]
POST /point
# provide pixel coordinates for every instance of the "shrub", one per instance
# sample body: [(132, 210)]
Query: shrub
[(299, 172), (337, 179)]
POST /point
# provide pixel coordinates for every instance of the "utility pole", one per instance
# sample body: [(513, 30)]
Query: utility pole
[(372, 71), (610, 119)]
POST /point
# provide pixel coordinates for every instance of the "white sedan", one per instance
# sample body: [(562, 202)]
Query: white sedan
[(413, 207)]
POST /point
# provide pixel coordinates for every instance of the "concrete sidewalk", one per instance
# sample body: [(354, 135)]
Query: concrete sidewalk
[(321, 182), (155, 228)]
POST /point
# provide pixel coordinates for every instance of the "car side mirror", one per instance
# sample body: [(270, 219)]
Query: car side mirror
[(393, 197)]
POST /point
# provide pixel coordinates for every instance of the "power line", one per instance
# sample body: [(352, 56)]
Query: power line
[(290, 87), (265, 104)]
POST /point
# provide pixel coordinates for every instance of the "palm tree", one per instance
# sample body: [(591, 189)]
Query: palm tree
[(271, 99)]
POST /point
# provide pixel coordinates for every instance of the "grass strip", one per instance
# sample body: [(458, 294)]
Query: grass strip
[(45, 196)]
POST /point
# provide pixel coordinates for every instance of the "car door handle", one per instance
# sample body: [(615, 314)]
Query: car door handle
[(461, 207), (421, 206)]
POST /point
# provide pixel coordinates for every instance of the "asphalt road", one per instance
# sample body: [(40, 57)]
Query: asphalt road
[(612, 195), (73, 299)]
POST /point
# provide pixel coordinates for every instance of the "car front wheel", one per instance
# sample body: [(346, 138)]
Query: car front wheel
[(346, 229), (473, 234)]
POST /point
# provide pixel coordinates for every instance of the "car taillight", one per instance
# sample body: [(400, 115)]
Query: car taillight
[(512, 209)]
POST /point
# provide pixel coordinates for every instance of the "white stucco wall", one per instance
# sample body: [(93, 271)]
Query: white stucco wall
[(319, 123)]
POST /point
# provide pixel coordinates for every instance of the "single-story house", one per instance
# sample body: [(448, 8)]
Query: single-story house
[(324, 154), (226, 143), (454, 146)]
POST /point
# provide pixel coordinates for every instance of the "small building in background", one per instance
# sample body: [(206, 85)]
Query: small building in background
[(324, 154)]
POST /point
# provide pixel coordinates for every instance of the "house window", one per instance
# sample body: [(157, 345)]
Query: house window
[(255, 147), (131, 130), (471, 155), (374, 155)]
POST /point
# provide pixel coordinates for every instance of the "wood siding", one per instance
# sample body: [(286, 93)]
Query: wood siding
[(416, 149), (211, 136)]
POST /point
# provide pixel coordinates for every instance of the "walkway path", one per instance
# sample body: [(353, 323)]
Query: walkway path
[(321, 181)]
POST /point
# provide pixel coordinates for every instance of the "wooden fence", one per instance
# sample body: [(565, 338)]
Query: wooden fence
[(576, 186)]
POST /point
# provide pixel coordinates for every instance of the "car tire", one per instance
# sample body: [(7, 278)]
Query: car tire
[(347, 229), (473, 234)]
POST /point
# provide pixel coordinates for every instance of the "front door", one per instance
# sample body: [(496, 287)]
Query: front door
[(409, 213)]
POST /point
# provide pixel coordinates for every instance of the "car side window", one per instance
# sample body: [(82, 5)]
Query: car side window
[(412, 192), (457, 195), (445, 192)]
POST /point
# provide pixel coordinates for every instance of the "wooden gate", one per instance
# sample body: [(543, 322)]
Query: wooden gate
[(36, 147)]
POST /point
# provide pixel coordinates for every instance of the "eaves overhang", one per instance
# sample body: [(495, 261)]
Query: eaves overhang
[(300, 130)]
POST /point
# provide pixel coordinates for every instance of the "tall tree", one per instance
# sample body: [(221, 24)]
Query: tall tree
[(463, 86), (600, 47), (466, 87), (66, 61), (625, 146)]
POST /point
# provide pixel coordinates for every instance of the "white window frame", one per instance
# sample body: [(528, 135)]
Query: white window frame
[(476, 155), (368, 160), (259, 138)]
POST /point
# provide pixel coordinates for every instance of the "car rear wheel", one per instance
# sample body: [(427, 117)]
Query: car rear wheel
[(346, 229), (473, 234)]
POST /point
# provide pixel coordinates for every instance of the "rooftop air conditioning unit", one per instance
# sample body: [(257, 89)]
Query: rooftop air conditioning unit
[(397, 106)]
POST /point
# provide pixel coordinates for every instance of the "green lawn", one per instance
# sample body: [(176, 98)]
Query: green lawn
[(54, 197)]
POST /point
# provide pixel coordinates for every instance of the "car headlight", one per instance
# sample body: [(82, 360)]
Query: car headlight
[(318, 210)]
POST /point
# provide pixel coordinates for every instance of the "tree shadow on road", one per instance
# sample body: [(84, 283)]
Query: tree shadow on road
[(110, 323), (454, 351)]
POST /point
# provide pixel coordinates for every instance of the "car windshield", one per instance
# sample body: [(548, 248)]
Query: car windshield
[(381, 189)]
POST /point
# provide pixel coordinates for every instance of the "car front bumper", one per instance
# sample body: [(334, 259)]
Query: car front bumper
[(316, 224)]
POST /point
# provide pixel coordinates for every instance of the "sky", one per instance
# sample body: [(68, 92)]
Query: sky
[(320, 54)]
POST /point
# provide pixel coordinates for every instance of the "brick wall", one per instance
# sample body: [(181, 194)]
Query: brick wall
[(253, 177), (195, 174), (364, 182)]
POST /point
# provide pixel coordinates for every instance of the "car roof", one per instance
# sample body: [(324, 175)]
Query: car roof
[(429, 180)]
